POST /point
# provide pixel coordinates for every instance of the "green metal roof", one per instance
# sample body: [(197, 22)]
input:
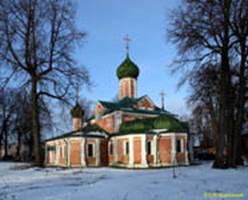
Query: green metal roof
[(168, 122), (150, 132), (84, 131), (123, 103), (128, 105)]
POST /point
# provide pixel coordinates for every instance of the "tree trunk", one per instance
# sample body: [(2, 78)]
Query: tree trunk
[(35, 124), (5, 131), (215, 127), (237, 151), (226, 127), (1, 144), (30, 150), (1, 138), (18, 148), (3, 141)]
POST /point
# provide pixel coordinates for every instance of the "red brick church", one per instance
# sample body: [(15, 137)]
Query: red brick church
[(132, 132)]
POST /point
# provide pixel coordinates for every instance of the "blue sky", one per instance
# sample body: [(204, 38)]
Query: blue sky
[(106, 23)]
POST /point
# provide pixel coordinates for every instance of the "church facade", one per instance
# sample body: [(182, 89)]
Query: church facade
[(132, 132)]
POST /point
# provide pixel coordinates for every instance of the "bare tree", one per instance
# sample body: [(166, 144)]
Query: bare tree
[(7, 105), (215, 32), (239, 27), (88, 108), (205, 101), (15, 117), (38, 38), (22, 128)]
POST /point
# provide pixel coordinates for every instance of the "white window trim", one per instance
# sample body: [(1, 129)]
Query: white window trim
[(181, 146), (124, 148)]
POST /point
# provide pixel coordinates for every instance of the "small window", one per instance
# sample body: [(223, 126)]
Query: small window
[(126, 148), (90, 150), (51, 148), (179, 146), (110, 148), (149, 148)]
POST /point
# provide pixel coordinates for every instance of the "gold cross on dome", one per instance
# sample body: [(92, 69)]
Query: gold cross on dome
[(127, 40)]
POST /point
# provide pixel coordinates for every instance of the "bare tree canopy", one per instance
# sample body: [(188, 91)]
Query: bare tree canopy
[(38, 38), (216, 33)]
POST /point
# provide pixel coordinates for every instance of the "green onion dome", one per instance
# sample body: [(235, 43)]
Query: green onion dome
[(127, 69), (77, 111)]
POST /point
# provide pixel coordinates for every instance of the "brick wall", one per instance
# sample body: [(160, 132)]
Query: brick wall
[(122, 158), (137, 150), (75, 153), (127, 88), (165, 147), (180, 156), (62, 152), (104, 152), (107, 123), (90, 161), (144, 103), (76, 124)]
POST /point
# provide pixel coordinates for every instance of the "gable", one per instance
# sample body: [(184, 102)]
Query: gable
[(146, 103), (142, 104), (99, 108)]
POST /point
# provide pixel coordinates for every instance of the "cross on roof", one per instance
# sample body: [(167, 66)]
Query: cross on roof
[(127, 40), (162, 94)]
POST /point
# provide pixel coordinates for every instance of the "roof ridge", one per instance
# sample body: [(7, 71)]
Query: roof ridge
[(131, 98), (105, 101)]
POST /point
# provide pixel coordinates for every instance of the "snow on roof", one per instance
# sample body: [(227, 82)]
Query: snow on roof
[(159, 130), (87, 131), (91, 133)]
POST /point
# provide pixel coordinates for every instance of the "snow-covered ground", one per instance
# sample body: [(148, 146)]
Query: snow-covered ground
[(20, 183)]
